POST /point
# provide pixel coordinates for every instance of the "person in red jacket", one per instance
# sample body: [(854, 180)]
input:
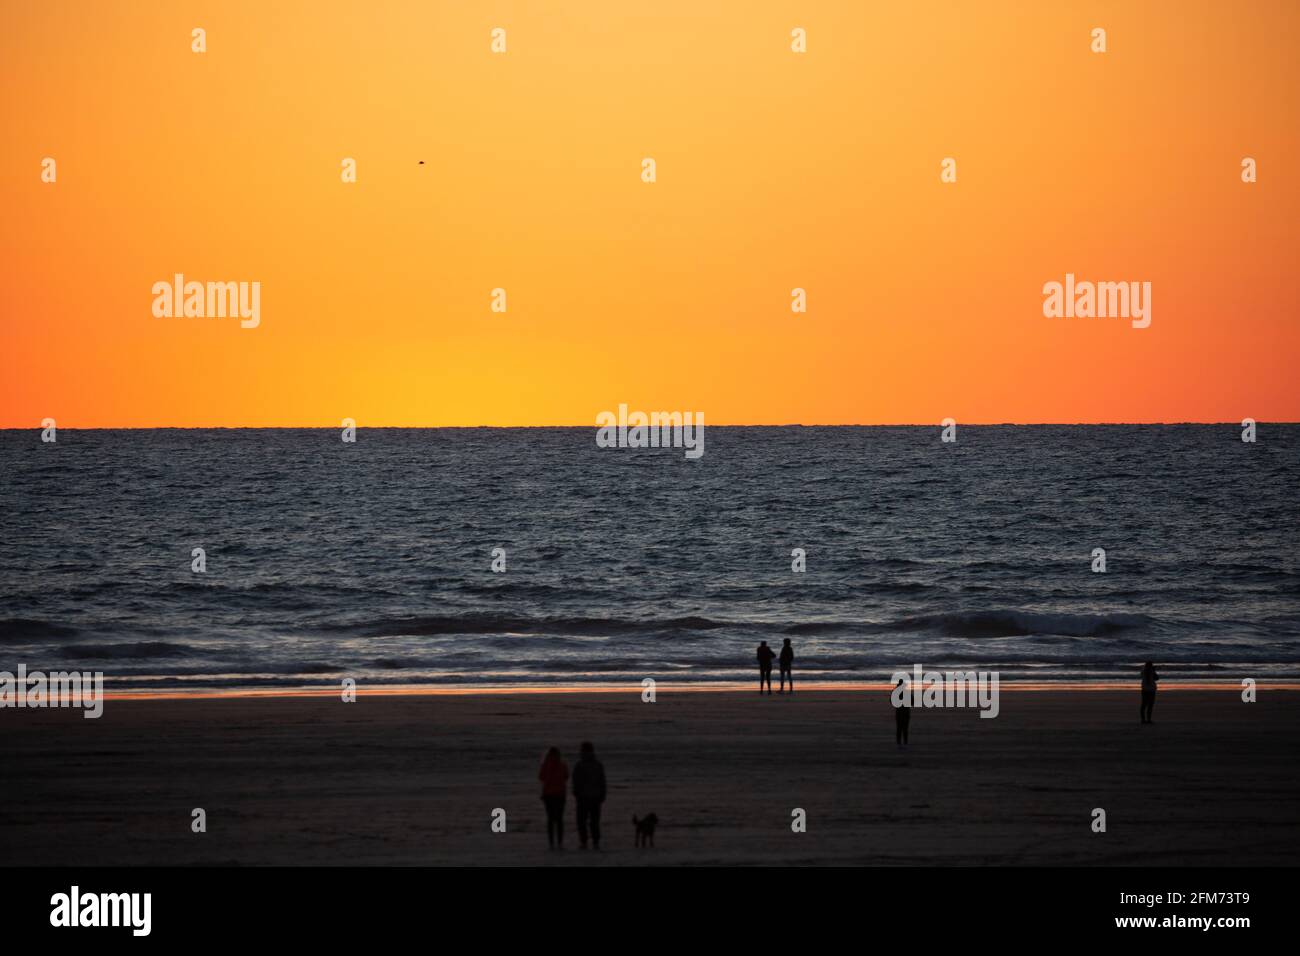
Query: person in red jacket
[(554, 776)]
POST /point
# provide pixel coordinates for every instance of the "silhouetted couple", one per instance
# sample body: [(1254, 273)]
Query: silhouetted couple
[(1149, 678), (786, 660), (588, 793)]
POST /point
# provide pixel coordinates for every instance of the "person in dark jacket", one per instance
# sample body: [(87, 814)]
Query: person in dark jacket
[(1149, 678), (765, 657), (902, 714), (589, 793), (554, 775), (786, 660)]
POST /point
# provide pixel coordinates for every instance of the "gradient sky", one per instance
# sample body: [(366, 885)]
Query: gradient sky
[(775, 170)]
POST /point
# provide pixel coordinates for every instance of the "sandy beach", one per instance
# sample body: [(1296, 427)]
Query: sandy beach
[(413, 780)]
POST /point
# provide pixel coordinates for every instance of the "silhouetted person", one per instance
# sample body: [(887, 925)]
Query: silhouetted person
[(786, 660), (1149, 678), (765, 657), (902, 716), (589, 792), (554, 776)]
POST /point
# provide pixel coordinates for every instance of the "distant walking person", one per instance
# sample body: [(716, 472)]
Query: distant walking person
[(554, 776), (765, 657), (1149, 678), (589, 792), (902, 714), (786, 660)]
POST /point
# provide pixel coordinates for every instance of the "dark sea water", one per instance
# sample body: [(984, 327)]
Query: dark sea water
[(372, 560)]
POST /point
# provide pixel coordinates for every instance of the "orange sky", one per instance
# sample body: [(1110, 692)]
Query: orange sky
[(775, 170)]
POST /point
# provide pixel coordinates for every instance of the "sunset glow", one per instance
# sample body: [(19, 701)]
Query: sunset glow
[(775, 171)]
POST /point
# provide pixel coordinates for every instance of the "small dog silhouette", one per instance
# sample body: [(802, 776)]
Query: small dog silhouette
[(645, 829)]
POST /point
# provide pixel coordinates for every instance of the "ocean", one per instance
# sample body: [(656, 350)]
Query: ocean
[(373, 560)]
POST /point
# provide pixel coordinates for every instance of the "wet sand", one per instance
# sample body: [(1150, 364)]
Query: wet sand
[(414, 780)]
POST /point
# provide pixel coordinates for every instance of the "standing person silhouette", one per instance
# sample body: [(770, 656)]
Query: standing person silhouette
[(589, 793), (1149, 678), (902, 714), (554, 776), (786, 660), (765, 657)]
